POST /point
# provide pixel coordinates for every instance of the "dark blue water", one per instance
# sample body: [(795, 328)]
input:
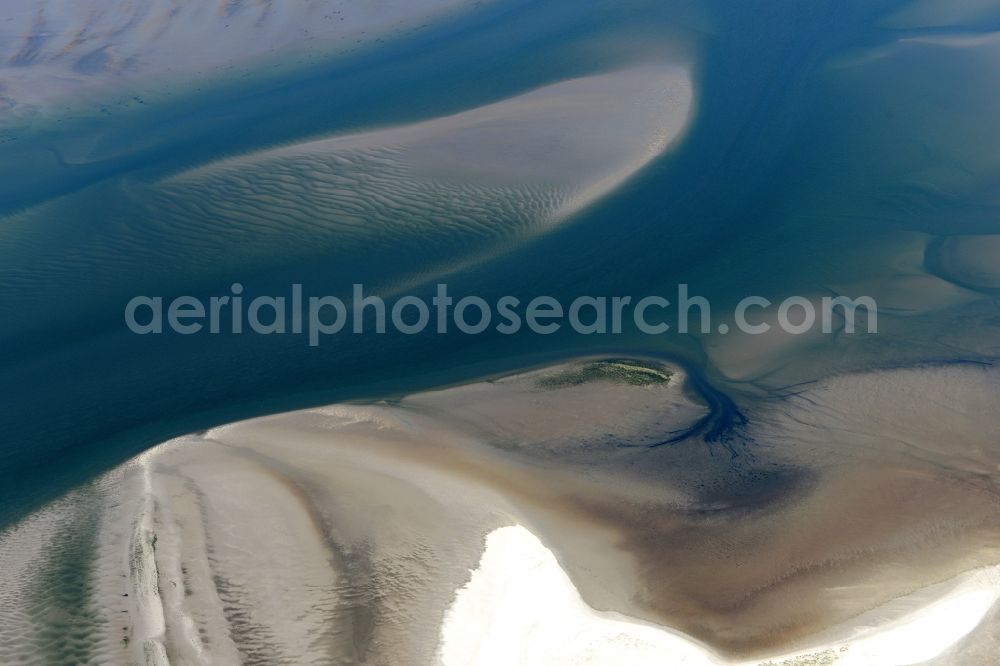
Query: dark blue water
[(816, 141)]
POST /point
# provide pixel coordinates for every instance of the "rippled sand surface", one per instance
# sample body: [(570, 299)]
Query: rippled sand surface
[(342, 534), (51, 51)]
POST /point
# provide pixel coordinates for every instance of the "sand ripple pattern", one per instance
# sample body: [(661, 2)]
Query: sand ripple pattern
[(424, 199)]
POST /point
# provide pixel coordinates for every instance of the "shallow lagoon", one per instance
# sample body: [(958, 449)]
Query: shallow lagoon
[(807, 168)]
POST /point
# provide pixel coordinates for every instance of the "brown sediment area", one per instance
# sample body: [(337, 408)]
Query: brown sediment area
[(367, 518), (756, 556)]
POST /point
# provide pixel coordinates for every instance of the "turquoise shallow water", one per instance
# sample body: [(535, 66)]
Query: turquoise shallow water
[(826, 141)]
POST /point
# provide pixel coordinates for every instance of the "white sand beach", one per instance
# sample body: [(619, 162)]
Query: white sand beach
[(520, 607)]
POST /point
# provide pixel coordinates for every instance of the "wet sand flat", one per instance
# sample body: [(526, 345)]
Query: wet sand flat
[(342, 534)]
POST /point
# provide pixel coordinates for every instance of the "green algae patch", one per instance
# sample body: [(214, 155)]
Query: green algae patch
[(633, 373)]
